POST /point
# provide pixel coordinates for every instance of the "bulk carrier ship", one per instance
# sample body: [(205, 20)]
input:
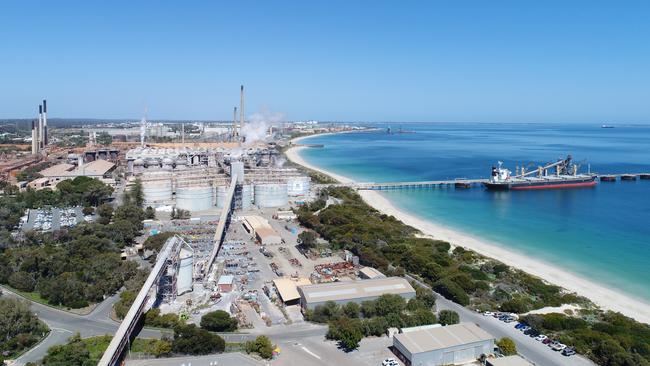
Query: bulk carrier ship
[(558, 175)]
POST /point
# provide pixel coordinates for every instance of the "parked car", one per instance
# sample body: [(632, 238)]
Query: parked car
[(389, 362), (558, 347), (525, 328), (541, 338), (533, 333), (520, 325), (547, 341), (488, 313), (569, 351)]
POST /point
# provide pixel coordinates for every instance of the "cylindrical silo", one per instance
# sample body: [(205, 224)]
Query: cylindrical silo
[(157, 194), (247, 196), (197, 198), (221, 195), (185, 268), (298, 186), (271, 195)]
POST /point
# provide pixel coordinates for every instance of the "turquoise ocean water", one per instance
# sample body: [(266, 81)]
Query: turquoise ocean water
[(600, 233)]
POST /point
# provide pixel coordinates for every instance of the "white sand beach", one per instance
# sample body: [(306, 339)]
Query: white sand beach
[(604, 297)]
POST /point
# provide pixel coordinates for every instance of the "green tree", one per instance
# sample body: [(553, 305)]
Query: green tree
[(348, 332), (389, 304), (136, 193), (150, 213), (218, 321), (19, 327), (351, 310), (307, 239), (262, 346), (159, 348), (452, 291), (448, 317), (88, 210), (104, 138), (22, 281), (75, 353), (105, 212), (507, 346), (189, 339)]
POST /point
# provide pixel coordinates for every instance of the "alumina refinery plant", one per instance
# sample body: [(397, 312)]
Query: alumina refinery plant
[(197, 179)]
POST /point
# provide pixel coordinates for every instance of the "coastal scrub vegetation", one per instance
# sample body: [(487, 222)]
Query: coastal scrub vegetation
[(349, 323), (472, 280), (461, 275), (609, 338), (77, 266), (20, 329)]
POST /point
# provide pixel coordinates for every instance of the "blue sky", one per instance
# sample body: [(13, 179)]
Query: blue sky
[(483, 61)]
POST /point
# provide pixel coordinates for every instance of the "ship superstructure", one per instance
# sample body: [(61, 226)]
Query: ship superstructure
[(560, 174)]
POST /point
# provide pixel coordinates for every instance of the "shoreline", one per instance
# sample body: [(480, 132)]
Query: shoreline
[(600, 295)]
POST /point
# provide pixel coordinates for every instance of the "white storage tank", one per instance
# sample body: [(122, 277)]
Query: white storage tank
[(157, 194), (271, 195), (197, 198), (185, 275), (221, 195), (298, 186), (247, 196)]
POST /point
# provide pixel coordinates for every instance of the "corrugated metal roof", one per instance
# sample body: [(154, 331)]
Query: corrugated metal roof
[(57, 170), (335, 291), (427, 340), (97, 167), (288, 288)]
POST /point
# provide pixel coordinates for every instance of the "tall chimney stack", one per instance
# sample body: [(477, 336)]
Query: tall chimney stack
[(34, 139), (234, 124), (40, 126), (241, 109), (45, 140)]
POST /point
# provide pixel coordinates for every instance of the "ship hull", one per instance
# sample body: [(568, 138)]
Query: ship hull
[(523, 186)]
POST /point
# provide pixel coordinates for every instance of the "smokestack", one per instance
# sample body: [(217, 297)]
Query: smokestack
[(34, 139), (45, 123), (40, 126), (234, 124), (241, 109), (183, 133)]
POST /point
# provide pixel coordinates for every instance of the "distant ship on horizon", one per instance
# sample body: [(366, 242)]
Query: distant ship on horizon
[(565, 175), (606, 126)]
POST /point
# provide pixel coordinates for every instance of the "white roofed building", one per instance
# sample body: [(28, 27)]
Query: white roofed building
[(353, 291), (449, 345)]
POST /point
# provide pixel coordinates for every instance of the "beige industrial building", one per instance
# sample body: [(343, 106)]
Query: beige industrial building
[(450, 345), (98, 169), (353, 291), (261, 230), (288, 289)]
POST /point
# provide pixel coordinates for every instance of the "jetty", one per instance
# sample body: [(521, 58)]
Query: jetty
[(460, 183)]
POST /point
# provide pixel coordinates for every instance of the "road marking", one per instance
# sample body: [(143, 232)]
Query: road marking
[(310, 352)]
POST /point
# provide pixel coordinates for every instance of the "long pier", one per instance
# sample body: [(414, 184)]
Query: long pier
[(461, 182)]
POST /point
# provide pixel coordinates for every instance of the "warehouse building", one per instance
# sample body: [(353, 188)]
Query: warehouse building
[(287, 289), (353, 291), (450, 345), (261, 230)]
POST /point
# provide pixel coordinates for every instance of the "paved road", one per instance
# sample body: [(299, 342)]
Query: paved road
[(64, 324), (210, 360), (532, 350)]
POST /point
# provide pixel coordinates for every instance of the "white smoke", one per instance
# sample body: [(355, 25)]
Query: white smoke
[(143, 130), (257, 127)]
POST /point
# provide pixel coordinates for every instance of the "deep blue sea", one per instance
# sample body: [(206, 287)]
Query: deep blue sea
[(600, 233)]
